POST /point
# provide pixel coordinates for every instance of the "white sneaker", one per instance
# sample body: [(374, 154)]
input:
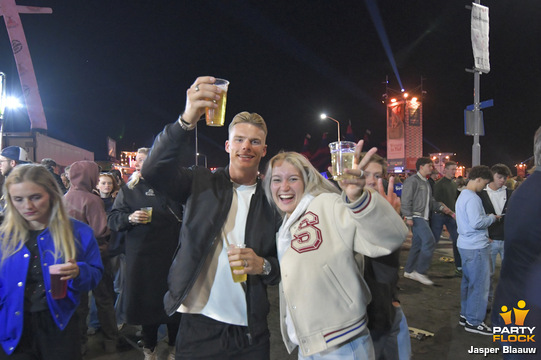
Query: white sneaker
[(408, 275), (149, 354), (423, 279)]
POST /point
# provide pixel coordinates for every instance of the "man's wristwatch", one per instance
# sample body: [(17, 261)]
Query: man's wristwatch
[(184, 124), (266, 267)]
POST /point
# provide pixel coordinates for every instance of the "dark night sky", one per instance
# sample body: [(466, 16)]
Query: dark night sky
[(121, 69)]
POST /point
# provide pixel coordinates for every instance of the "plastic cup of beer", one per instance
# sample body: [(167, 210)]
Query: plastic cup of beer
[(148, 211), (237, 278), (59, 287), (342, 155), (216, 117)]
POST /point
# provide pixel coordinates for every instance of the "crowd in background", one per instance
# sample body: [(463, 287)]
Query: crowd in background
[(123, 247)]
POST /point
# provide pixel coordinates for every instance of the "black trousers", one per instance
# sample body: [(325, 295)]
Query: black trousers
[(150, 332), (201, 337), (43, 340)]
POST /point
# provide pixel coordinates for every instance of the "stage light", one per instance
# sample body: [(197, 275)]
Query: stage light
[(13, 103)]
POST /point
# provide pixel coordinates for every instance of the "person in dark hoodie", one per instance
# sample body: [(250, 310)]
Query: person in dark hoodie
[(87, 207)]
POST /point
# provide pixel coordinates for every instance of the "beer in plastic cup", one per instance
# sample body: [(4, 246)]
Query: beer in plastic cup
[(58, 287), (238, 278), (148, 210), (216, 117), (342, 155)]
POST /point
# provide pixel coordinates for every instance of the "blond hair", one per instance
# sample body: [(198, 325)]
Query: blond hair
[(314, 183), (250, 118), (136, 176), (14, 230)]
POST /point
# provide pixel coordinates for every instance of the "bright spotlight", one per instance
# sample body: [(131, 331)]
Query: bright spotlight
[(13, 103), (403, 90), (323, 116)]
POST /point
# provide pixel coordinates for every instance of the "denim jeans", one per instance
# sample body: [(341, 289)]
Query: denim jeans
[(119, 268), (422, 247), (475, 284), (359, 348), (93, 321), (395, 344), (403, 338), (496, 247), (436, 222)]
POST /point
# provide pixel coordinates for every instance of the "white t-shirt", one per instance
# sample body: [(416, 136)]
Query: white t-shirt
[(227, 299), (497, 198)]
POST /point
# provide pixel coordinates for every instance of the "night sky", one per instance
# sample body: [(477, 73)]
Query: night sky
[(121, 69)]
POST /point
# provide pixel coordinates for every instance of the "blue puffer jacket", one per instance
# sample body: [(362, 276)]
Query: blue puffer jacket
[(13, 274)]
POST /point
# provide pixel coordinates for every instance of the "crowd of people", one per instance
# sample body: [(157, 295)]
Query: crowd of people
[(168, 248)]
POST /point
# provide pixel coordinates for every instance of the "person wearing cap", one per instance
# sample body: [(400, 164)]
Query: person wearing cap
[(51, 165), (11, 157)]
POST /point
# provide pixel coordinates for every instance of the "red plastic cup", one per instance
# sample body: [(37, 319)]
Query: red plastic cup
[(59, 288)]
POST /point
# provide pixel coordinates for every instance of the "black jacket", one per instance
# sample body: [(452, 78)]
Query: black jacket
[(207, 197), (495, 231), (149, 250)]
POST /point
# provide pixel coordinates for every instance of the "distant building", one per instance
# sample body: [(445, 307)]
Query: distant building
[(404, 133)]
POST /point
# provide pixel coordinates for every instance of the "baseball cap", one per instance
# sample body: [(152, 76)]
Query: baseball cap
[(15, 153)]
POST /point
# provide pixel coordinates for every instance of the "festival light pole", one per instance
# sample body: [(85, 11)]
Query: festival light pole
[(324, 116)]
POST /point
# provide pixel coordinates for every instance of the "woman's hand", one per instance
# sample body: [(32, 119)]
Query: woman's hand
[(138, 217), (247, 258), (70, 270), (354, 187)]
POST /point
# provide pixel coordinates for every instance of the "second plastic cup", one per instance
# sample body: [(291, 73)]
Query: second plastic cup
[(59, 287), (216, 117), (148, 210), (342, 155), (238, 278)]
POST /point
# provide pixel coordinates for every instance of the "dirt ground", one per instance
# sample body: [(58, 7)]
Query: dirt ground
[(436, 309), (431, 308)]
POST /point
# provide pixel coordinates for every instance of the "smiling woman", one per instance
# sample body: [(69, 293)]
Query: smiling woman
[(36, 234), (321, 232)]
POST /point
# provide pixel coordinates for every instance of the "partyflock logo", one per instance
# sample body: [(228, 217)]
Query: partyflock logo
[(514, 332)]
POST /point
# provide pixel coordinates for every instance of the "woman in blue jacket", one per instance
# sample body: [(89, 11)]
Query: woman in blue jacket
[(35, 234)]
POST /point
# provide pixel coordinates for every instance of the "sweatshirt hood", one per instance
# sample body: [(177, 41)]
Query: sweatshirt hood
[(84, 175)]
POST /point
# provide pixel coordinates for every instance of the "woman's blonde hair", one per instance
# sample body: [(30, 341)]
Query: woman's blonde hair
[(15, 229), (314, 183), (136, 176)]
